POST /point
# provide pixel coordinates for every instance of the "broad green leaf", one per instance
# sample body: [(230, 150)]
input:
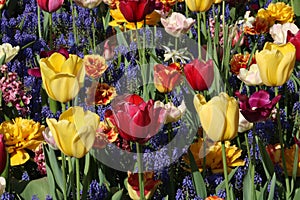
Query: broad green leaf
[(272, 187), (34, 188), (117, 195), (197, 177), (247, 185), (222, 184)]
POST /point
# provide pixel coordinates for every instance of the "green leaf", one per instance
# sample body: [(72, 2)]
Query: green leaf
[(2, 59), (46, 24), (272, 187), (34, 188), (222, 184), (197, 177), (297, 7), (117, 195), (266, 160), (297, 194), (248, 186)]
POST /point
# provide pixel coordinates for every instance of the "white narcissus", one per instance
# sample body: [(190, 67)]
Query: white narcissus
[(177, 24), (250, 77)]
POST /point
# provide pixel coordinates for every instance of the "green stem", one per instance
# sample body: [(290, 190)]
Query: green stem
[(73, 22), (93, 32), (77, 179), (39, 22), (253, 160), (287, 182), (63, 168), (225, 169), (199, 35), (140, 172), (51, 34), (71, 173)]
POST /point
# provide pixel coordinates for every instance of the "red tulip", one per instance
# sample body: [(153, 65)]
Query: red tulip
[(258, 107), (50, 5), (63, 51), (199, 74), (136, 10), (136, 120), (295, 40), (166, 77), (2, 154)]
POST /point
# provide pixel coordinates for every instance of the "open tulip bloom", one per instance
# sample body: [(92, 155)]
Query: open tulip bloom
[(136, 120), (258, 106)]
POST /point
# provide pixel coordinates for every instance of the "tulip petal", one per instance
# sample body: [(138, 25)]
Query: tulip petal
[(19, 157), (213, 121), (56, 61), (63, 133), (83, 141), (67, 81)]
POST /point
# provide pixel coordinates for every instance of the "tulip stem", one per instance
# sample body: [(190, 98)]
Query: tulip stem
[(287, 182), (225, 169), (199, 35), (50, 25), (140, 170), (77, 179), (63, 168), (39, 22)]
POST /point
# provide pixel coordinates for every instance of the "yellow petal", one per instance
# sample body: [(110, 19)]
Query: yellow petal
[(19, 157), (64, 87), (232, 119), (83, 141), (57, 60), (213, 121)]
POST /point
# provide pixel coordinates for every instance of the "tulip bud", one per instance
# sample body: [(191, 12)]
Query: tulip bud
[(199, 74), (2, 185), (199, 5), (88, 3), (219, 117), (50, 5)]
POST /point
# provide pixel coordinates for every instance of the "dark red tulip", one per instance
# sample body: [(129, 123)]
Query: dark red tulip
[(2, 154), (136, 120), (199, 74), (136, 10), (295, 40), (50, 5), (166, 77), (258, 107), (63, 51), (36, 72)]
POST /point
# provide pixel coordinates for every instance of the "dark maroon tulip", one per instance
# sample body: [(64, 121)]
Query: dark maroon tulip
[(36, 72), (295, 40), (2, 154), (199, 74), (136, 10), (258, 107), (136, 120), (50, 5), (63, 51)]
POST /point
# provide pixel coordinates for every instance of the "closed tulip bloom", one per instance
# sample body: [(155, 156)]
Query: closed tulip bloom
[(2, 185), (166, 77), (136, 11), (88, 3), (219, 117), (276, 63), (2, 3), (62, 78), (199, 5), (75, 131), (50, 5), (199, 74), (2, 154), (177, 24)]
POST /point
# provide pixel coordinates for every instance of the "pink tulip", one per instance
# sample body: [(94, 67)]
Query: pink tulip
[(50, 5)]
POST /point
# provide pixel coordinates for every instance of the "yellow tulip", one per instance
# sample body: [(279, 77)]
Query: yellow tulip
[(62, 78), (219, 117), (217, 1), (75, 131), (276, 63), (199, 5)]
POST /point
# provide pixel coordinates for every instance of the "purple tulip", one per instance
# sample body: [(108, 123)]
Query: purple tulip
[(258, 107)]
